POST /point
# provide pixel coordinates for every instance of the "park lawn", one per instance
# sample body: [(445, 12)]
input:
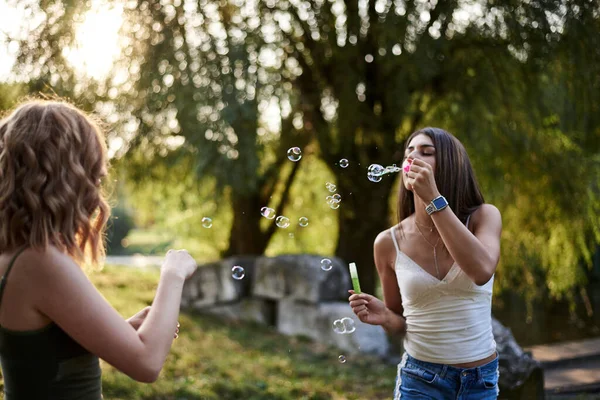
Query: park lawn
[(214, 359)]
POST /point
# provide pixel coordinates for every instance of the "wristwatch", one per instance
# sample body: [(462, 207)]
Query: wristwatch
[(437, 204)]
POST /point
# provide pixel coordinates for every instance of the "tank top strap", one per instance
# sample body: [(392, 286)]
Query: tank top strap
[(5, 276), (393, 234), (468, 219)]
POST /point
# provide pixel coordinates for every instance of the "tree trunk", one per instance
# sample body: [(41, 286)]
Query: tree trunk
[(247, 237), (363, 213)]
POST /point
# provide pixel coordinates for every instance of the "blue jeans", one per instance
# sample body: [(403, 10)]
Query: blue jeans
[(424, 380)]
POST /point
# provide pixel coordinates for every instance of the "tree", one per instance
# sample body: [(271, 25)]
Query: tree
[(375, 71), (199, 76)]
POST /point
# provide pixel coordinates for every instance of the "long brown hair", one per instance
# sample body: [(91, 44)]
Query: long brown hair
[(454, 176), (52, 158)]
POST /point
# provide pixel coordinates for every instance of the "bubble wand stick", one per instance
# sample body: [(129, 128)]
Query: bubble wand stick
[(354, 276)]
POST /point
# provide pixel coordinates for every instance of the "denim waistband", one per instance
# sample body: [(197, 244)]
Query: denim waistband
[(442, 369)]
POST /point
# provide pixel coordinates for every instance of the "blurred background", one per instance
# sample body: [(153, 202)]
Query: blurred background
[(201, 101)]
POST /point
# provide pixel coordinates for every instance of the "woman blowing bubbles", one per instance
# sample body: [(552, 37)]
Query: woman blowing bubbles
[(437, 273), (54, 325)]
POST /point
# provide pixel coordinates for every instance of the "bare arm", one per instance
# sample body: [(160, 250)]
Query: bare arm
[(371, 310), (476, 253), (385, 257), (69, 299)]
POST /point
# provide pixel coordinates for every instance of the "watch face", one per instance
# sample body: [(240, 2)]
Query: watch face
[(440, 202)]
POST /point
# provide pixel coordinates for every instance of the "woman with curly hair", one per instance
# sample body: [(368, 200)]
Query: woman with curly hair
[(436, 268), (54, 324)]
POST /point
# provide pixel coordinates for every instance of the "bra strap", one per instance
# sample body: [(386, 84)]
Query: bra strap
[(393, 234), (5, 276)]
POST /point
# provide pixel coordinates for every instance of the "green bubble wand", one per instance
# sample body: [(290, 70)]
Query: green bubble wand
[(354, 276)]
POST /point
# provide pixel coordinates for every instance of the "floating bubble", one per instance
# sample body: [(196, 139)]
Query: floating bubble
[(206, 222), (376, 169), (326, 264), (338, 326), (303, 222), (344, 163), (390, 169), (337, 198), (282, 222), (238, 272), (374, 178), (334, 205), (294, 154), (342, 358), (331, 187), (267, 212), (348, 323)]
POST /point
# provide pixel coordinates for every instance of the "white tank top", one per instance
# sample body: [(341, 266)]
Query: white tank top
[(448, 321)]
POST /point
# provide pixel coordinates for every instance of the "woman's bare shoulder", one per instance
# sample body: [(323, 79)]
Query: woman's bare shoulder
[(486, 213), (42, 264)]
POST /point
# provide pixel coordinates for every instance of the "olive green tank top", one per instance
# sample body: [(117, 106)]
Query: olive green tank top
[(46, 364)]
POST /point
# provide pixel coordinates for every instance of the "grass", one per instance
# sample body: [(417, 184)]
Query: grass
[(214, 359)]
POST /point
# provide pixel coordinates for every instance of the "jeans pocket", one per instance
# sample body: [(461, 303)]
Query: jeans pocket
[(490, 381), (414, 371)]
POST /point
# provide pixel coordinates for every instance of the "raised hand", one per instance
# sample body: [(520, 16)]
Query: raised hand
[(421, 179), (180, 262), (369, 309)]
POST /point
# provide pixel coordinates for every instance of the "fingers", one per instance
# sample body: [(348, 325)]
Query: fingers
[(177, 330), (419, 164), (363, 296), (363, 314)]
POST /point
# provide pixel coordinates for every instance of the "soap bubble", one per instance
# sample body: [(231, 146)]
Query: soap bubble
[(206, 222), (282, 222), (338, 326), (374, 178), (336, 197), (349, 326), (331, 187), (326, 264), (344, 163), (267, 212), (342, 358), (294, 154), (390, 169), (334, 205), (238, 272), (376, 169), (303, 222)]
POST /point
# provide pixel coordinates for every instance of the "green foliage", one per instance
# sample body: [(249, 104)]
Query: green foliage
[(169, 198)]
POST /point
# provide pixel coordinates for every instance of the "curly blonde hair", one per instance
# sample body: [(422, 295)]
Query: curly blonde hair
[(52, 160)]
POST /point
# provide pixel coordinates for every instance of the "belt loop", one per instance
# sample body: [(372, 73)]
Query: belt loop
[(444, 370), (479, 375)]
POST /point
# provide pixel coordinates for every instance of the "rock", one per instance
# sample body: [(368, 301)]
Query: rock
[(368, 339), (521, 376), (213, 283), (316, 322), (254, 310), (202, 288), (300, 277), (235, 289)]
